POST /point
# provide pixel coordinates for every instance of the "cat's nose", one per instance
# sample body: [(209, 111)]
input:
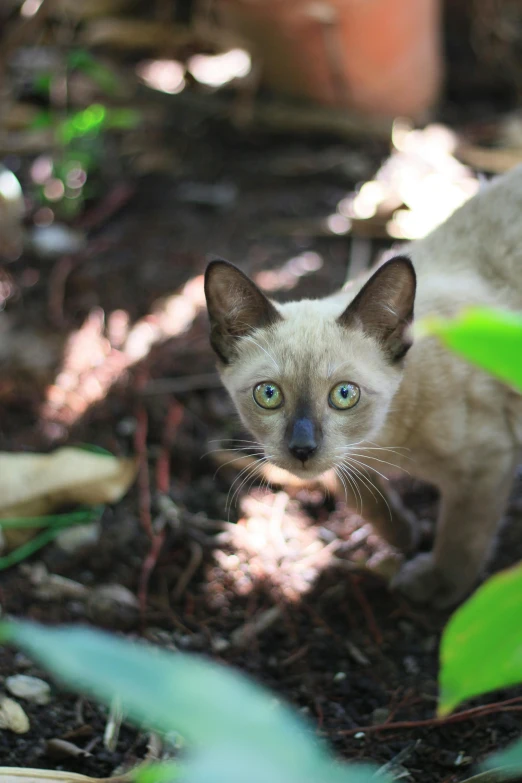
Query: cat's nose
[(302, 453), (303, 441)]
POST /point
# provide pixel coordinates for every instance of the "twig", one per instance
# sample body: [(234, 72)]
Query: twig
[(368, 613), (243, 635), (140, 446), (291, 116), (172, 422), (196, 557), (474, 712)]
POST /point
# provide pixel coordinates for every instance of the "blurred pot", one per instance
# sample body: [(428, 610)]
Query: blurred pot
[(381, 57)]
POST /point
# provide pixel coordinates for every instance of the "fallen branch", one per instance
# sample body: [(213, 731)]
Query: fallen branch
[(509, 705)]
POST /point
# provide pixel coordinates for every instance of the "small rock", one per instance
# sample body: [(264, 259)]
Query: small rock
[(56, 240), (359, 735), (380, 715), (78, 537), (31, 688), (113, 605), (13, 717), (339, 677), (58, 588), (411, 665), (219, 644)]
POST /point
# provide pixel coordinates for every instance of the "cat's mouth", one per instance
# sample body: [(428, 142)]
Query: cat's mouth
[(303, 469)]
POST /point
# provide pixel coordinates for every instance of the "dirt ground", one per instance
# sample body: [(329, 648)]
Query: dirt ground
[(273, 594)]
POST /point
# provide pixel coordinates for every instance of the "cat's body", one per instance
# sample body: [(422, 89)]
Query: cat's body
[(447, 422)]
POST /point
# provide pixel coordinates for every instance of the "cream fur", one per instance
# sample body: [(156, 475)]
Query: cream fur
[(457, 427)]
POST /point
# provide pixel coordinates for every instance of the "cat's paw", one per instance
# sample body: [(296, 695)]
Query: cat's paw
[(422, 581)]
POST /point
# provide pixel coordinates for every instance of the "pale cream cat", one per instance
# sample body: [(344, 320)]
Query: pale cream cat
[(321, 383)]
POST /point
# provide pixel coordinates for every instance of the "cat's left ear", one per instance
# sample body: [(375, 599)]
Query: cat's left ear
[(383, 308), (236, 307)]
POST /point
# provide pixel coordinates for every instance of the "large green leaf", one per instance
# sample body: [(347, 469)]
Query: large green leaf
[(214, 707), (491, 339), (481, 648), (508, 763)]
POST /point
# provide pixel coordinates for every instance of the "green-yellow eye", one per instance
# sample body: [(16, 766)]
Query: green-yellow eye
[(345, 395), (268, 395)]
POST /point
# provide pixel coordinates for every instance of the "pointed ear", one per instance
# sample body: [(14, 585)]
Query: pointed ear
[(236, 307), (383, 308)]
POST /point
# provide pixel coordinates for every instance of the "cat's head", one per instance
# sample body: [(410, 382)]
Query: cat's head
[(312, 377)]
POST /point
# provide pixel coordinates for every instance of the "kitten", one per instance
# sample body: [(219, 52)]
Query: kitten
[(322, 383)]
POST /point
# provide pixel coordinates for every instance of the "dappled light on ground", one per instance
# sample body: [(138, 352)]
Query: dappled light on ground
[(287, 276), (163, 75), (220, 69), (416, 188), (278, 544), (101, 352)]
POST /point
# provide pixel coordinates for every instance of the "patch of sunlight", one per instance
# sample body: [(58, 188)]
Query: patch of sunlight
[(30, 7), (288, 275), (220, 69), (417, 188), (99, 354), (162, 75)]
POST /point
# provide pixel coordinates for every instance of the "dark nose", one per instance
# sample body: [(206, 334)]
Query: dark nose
[(303, 442)]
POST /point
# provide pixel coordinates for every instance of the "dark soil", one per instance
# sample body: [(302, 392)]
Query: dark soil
[(343, 650)]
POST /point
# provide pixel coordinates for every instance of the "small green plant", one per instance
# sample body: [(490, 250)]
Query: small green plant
[(236, 730), (481, 648), (79, 136)]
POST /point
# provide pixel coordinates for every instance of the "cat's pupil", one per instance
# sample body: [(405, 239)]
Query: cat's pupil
[(269, 391), (344, 392)]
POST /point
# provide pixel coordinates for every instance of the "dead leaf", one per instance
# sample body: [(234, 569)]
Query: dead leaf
[(13, 717), (32, 485), (19, 775)]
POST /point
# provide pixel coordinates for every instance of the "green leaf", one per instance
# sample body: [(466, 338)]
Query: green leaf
[(507, 762), (158, 773), (52, 525), (491, 339), (82, 60), (481, 648), (123, 119), (206, 702)]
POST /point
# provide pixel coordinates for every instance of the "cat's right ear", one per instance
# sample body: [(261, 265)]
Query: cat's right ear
[(236, 307)]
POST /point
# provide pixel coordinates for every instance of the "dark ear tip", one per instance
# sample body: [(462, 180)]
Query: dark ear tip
[(404, 261)]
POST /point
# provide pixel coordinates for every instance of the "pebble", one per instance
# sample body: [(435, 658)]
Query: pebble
[(31, 688), (78, 537), (411, 665), (380, 715), (113, 605), (13, 717), (339, 677), (55, 240)]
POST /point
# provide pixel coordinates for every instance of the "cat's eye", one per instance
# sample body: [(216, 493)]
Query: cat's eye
[(268, 395), (345, 395)]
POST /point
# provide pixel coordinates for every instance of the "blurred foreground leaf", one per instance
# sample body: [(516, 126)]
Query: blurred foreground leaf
[(238, 731), (491, 339)]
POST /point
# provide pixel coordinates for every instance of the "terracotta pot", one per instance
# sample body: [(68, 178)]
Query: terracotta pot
[(381, 57)]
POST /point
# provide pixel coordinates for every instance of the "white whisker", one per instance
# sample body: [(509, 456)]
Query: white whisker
[(249, 337)]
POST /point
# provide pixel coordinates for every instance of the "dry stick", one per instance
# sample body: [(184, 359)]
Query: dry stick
[(173, 419), (475, 712), (367, 611)]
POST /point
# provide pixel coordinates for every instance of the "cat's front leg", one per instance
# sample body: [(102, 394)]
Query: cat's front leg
[(383, 508), (469, 515)]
